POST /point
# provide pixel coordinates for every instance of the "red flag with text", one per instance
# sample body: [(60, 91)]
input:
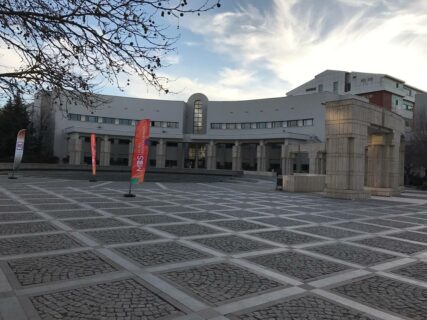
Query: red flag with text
[(140, 151), (93, 152)]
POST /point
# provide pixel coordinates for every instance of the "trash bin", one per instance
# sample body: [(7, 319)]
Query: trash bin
[(279, 182)]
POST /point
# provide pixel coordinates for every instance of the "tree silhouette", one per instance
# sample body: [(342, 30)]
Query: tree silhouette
[(72, 45)]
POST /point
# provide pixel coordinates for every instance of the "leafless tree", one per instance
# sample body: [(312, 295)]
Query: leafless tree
[(74, 45)]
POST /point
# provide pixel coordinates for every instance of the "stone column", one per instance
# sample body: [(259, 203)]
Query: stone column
[(402, 163), (261, 154), (394, 163), (237, 156), (75, 145), (313, 165), (211, 156), (286, 159), (131, 144), (105, 153), (161, 154), (180, 155)]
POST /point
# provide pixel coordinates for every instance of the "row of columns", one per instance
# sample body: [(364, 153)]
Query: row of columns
[(316, 160)]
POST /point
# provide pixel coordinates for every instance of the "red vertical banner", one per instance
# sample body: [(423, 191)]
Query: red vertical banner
[(93, 152), (140, 151)]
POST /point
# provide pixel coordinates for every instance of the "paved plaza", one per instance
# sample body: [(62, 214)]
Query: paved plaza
[(231, 249)]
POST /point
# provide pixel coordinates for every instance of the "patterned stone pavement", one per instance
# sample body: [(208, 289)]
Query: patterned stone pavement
[(233, 249)]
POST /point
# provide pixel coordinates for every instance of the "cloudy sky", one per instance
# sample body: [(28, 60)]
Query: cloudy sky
[(263, 48)]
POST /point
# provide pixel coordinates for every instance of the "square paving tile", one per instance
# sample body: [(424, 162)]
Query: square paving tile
[(64, 206), (15, 208), (359, 226), (107, 205), (411, 235), (389, 295), (201, 216), (221, 282), (393, 245), (18, 216), (152, 219), (33, 244), (238, 225), (314, 218), (298, 265), (38, 270), (233, 244), (286, 237), (114, 300), (123, 235), (281, 222), (329, 232), (186, 230), (307, 307), (129, 211), (389, 223), (352, 254), (149, 255), (242, 214), (410, 220), (417, 270), (94, 223), (26, 227), (175, 209), (65, 214)]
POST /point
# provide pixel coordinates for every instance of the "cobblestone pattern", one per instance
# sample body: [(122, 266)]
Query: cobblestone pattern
[(298, 265), (242, 214), (152, 219), (314, 218), (233, 244), (393, 245), (33, 244), (64, 206), (160, 253), (185, 230), (25, 227), (388, 294), (17, 208), (329, 232), (410, 235), (239, 225), (304, 308), (221, 282), (18, 216), (30, 271), (129, 211), (352, 254), (280, 222), (286, 237), (390, 223), (416, 270), (94, 223), (124, 235), (358, 226), (64, 214), (125, 299), (201, 216)]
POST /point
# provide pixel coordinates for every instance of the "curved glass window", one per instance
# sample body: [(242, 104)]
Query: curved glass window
[(198, 117)]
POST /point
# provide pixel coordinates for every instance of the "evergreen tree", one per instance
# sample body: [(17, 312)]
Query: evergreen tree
[(13, 117)]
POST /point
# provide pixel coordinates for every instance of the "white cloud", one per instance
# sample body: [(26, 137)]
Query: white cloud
[(295, 39)]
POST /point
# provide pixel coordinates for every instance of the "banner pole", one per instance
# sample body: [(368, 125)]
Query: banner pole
[(130, 194), (13, 175)]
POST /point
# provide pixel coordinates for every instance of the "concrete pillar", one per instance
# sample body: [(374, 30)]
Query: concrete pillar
[(312, 165), (161, 154), (105, 154), (286, 159), (75, 146), (237, 156), (131, 144), (211, 156), (261, 154), (180, 155), (402, 163)]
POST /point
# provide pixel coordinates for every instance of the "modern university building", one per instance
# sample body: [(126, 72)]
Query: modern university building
[(343, 144)]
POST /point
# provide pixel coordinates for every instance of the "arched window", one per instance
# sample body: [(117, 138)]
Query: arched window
[(198, 117)]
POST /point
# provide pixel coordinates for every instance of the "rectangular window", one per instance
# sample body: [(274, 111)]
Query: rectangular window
[(308, 122), (261, 125), (300, 123), (277, 124), (253, 125), (125, 122), (108, 120), (397, 102), (92, 119), (172, 124), (74, 117), (335, 87), (215, 126), (292, 123), (310, 89), (246, 125), (320, 88), (231, 126)]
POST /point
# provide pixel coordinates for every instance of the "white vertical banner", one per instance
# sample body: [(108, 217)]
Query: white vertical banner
[(19, 149)]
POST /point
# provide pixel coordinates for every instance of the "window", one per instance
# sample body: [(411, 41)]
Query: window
[(92, 119), (198, 117), (396, 102), (292, 123), (74, 117), (172, 124), (310, 89), (300, 123), (335, 87), (397, 85), (156, 124), (320, 88), (231, 126), (246, 125), (261, 125), (277, 124), (126, 122), (108, 120), (308, 122), (215, 125), (253, 125)]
